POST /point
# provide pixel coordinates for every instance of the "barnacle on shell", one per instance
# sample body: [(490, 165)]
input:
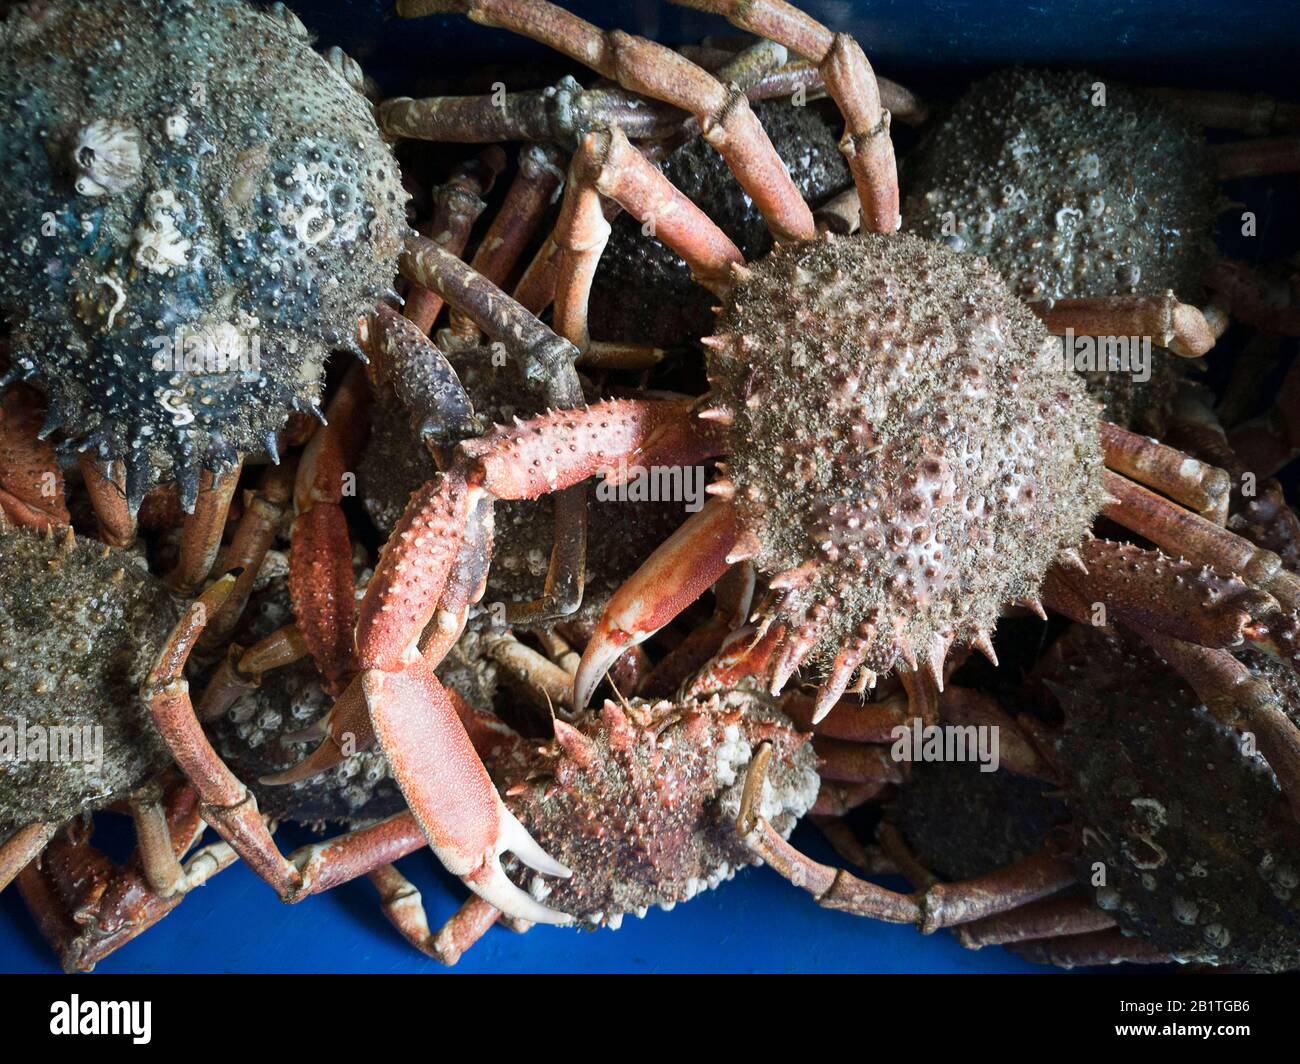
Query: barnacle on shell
[(173, 169)]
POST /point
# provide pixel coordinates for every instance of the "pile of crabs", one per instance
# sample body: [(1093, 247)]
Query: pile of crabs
[(658, 506)]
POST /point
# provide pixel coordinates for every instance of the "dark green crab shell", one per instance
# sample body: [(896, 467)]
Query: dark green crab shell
[(194, 207)]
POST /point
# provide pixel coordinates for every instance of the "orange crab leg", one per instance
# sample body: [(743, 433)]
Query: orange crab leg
[(656, 71), (201, 532), (1203, 488), (851, 83), (21, 848), (680, 570), (106, 486), (514, 226), (31, 483), (457, 205), (1182, 328), (321, 583)]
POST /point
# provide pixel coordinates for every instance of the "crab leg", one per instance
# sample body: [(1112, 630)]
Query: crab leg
[(404, 908), (832, 888), (227, 804), (1149, 590), (656, 71), (1257, 158), (23, 847), (512, 230), (1200, 487), (1181, 328), (322, 587), (1046, 919), (424, 380), (467, 825), (734, 593), (31, 483), (1188, 535), (106, 486), (457, 205), (607, 165), (560, 114), (851, 83), (1216, 109), (1099, 947), (201, 534), (1270, 304), (87, 907), (551, 685), (674, 576), (264, 511)]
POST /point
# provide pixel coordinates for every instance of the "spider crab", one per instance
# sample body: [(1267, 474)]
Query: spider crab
[(945, 459), (183, 238), (1095, 200), (1168, 841)]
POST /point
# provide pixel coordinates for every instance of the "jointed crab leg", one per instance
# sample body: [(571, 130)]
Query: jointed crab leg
[(851, 83), (106, 485), (321, 584), (1182, 328), (1200, 487), (645, 67), (660, 590), (512, 229), (457, 204), (1257, 158), (31, 483), (201, 537), (21, 848)]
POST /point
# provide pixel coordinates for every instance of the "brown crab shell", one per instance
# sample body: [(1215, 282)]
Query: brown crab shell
[(907, 453), (641, 800), (80, 627)]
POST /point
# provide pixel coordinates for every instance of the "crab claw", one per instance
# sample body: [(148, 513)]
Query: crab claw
[(449, 791), (679, 571)]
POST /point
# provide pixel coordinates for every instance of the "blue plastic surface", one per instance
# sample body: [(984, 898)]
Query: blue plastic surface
[(755, 923)]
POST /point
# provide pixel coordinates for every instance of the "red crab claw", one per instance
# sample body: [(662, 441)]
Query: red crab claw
[(675, 575), (449, 791), (429, 752)]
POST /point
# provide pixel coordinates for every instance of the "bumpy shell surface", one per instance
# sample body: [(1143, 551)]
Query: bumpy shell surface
[(1068, 198), (643, 292), (80, 627), (641, 801), (1200, 852), (195, 207), (1063, 196), (906, 448)]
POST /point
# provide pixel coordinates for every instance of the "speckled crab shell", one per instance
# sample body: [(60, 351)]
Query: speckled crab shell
[(80, 626), (641, 799), (907, 454), (194, 206)]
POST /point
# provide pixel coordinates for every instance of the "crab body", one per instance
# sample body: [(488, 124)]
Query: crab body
[(904, 449), (196, 207), (1201, 857), (640, 800), (81, 625)]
